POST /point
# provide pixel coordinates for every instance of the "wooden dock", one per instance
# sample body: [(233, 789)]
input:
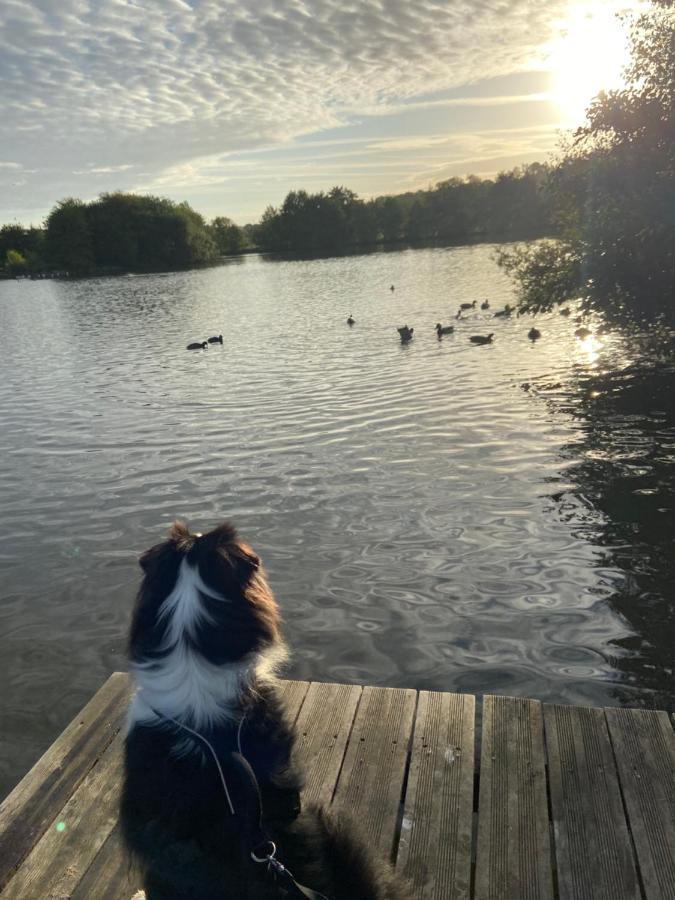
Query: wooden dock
[(564, 802)]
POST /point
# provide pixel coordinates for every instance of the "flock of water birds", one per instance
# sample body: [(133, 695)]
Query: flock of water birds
[(406, 333)]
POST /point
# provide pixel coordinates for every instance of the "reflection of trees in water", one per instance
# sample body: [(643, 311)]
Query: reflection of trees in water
[(624, 469)]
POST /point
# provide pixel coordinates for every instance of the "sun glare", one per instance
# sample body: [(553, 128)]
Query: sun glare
[(586, 56)]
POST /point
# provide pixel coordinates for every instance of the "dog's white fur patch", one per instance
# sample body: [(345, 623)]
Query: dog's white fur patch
[(182, 684)]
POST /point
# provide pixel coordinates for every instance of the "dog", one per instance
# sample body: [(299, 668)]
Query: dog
[(210, 805)]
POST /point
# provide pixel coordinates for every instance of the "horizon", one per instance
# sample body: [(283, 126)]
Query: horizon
[(230, 110)]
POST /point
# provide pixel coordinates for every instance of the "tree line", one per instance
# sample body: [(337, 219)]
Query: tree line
[(514, 204), (128, 232)]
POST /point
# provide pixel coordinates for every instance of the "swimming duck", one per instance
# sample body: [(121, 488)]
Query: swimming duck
[(391, 288), (534, 334), (447, 329), (481, 339), (583, 332), (198, 345), (405, 333), (216, 339), (350, 320), (485, 304), (502, 313), (468, 305), (566, 311)]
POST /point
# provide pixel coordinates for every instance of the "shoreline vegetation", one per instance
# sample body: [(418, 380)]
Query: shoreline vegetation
[(608, 200), (121, 233)]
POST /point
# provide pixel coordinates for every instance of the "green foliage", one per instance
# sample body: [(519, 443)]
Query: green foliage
[(614, 193), (68, 240), (228, 237), (126, 232), (15, 262), (548, 272), (516, 204)]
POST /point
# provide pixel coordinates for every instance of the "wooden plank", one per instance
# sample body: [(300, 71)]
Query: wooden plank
[(32, 805), (434, 851), (58, 861), (370, 784), (592, 844), (513, 856), (293, 694), (644, 747), (322, 730), (111, 875)]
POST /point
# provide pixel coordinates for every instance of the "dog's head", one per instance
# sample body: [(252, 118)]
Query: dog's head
[(208, 591)]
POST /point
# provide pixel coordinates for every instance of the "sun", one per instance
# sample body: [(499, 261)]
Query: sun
[(587, 55)]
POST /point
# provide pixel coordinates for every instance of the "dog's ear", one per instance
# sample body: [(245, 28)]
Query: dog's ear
[(180, 536), (243, 560), (179, 541)]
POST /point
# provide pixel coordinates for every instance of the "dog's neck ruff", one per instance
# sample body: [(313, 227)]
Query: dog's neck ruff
[(182, 684)]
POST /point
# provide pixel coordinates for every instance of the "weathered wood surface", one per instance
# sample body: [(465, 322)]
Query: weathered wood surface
[(645, 755), (513, 856), (591, 834), (33, 804), (402, 764), (434, 851)]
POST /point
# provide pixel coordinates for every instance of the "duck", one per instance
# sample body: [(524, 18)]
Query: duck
[(502, 313), (481, 339), (405, 333), (471, 305), (566, 311), (534, 334), (447, 329), (583, 332), (198, 345), (485, 304), (350, 320), (391, 288), (216, 339)]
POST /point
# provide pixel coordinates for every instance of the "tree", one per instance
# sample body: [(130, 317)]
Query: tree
[(68, 242), (228, 237), (614, 191)]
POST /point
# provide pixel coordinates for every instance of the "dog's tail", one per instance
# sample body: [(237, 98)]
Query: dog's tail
[(336, 858)]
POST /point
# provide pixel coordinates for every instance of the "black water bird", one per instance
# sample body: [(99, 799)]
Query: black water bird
[(405, 334), (566, 311), (481, 339), (198, 345), (485, 304), (444, 329), (391, 288), (467, 305), (216, 339), (503, 313), (534, 334), (583, 332), (350, 320)]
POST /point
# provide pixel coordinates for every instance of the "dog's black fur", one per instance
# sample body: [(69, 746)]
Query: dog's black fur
[(174, 813)]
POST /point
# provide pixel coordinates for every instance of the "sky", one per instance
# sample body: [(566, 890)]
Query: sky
[(229, 105)]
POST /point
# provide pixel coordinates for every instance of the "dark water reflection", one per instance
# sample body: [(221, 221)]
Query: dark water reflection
[(623, 468), (424, 520)]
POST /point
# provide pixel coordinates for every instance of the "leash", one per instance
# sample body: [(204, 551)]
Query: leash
[(257, 844)]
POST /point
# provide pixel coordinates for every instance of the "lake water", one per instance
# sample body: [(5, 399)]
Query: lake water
[(438, 515)]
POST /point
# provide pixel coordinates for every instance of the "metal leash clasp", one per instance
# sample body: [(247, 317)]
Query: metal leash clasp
[(273, 864)]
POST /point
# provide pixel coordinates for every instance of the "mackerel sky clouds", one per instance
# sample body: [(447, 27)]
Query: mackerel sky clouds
[(230, 105)]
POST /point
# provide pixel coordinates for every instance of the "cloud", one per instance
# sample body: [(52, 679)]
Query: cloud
[(160, 86)]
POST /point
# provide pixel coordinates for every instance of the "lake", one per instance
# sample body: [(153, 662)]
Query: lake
[(434, 515)]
